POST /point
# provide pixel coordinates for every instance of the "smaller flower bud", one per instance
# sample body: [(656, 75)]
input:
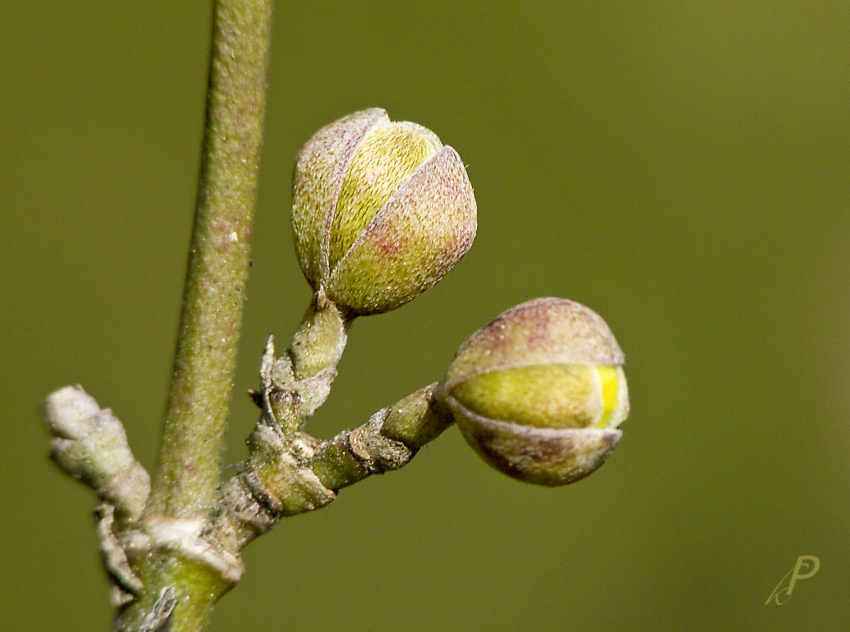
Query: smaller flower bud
[(381, 211), (540, 392)]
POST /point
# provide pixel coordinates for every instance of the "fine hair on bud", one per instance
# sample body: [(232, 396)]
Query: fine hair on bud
[(540, 392), (381, 211)]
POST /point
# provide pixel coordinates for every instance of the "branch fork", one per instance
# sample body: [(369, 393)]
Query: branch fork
[(287, 472)]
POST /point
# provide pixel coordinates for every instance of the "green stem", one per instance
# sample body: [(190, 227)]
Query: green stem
[(293, 474), (202, 381), (211, 320), (387, 442)]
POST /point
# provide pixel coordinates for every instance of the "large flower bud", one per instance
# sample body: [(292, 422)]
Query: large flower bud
[(381, 211), (540, 391)]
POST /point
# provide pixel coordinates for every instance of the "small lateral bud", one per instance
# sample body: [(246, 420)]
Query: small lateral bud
[(90, 444), (540, 392)]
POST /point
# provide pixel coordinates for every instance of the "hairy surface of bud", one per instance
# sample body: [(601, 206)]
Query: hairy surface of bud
[(381, 211), (540, 392)]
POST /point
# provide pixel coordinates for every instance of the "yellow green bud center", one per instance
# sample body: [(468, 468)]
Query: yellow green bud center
[(545, 396), (384, 160), (609, 378)]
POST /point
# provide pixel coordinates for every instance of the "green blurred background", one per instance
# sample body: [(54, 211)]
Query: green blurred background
[(680, 167)]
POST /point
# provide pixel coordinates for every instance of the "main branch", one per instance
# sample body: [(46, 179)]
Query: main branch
[(211, 320), (190, 459)]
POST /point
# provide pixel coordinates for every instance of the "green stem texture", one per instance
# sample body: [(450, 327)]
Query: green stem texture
[(211, 320), (205, 362)]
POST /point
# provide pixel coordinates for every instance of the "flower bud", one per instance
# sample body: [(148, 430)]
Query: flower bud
[(381, 211), (540, 391)]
